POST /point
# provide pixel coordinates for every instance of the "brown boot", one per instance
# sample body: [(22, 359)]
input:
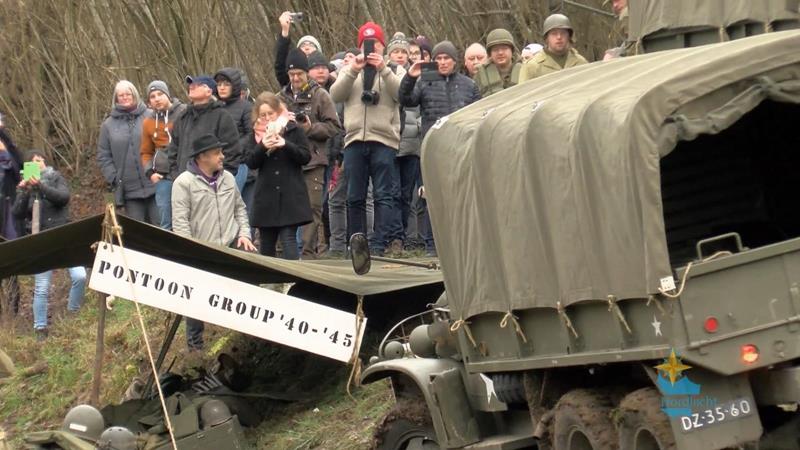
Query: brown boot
[(396, 249)]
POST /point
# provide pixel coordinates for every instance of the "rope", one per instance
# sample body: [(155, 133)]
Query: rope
[(723, 35), (565, 318), (685, 275), (517, 327), (653, 299), (110, 226), (355, 371), (613, 306), (458, 324)]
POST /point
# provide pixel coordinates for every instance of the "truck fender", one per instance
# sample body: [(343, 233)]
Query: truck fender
[(450, 410)]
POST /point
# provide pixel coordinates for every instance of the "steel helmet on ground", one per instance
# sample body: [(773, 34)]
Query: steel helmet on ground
[(85, 422), (117, 438), (213, 413)]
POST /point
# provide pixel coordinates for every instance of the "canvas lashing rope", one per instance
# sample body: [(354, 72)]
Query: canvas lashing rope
[(562, 312), (614, 307), (112, 229), (686, 271), (463, 323), (513, 319), (355, 371)]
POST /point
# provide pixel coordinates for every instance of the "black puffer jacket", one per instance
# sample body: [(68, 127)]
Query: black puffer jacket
[(237, 107), (437, 95), (240, 109), (197, 121), (53, 193)]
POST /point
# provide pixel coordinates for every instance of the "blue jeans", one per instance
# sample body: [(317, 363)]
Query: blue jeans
[(373, 160), (41, 293), (164, 202), (241, 176), (288, 237), (427, 229), (409, 181)]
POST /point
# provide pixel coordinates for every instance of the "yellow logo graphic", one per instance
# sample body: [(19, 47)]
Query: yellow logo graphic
[(672, 367)]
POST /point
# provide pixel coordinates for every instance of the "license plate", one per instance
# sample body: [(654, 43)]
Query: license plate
[(725, 412)]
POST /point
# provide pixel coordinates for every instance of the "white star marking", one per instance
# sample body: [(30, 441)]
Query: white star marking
[(656, 326)]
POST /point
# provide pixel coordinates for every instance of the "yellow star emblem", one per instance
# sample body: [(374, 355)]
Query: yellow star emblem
[(672, 367)]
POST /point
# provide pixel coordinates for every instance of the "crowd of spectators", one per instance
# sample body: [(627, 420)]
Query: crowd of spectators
[(295, 173)]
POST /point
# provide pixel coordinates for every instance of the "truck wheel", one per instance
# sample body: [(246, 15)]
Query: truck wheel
[(406, 427), (641, 423), (583, 422)]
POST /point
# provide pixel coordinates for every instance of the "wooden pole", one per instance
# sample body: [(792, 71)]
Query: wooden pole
[(99, 350)]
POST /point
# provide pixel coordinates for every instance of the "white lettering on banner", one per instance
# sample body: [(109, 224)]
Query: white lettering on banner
[(225, 302)]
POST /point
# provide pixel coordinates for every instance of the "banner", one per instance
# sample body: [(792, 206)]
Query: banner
[(228, 303)]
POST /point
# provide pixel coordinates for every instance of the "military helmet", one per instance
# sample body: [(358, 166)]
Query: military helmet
[(117, 438), (213, 413), (556, 21), (85, 422), (499, 36)]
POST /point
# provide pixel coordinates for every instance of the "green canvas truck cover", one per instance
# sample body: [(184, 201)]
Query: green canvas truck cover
[(650, 16), (549, 192)]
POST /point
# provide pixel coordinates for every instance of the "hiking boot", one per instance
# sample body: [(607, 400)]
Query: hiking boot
[(396, 250), (40, 333)]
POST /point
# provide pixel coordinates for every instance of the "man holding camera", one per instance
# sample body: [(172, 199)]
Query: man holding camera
[(369, 90), (313, 110), (439, 90)]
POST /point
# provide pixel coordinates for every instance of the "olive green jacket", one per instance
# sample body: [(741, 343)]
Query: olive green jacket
[(490, 82), (543, 63)]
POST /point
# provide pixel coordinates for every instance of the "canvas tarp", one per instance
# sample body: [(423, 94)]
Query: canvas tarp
[(70, 245), (549, 191), (650, 16)]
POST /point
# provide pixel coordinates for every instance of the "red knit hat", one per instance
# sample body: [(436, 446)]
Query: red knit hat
[(370, 30)]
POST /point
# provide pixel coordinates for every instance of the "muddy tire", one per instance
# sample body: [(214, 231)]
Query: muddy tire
[(583, 421), (407, 426), (641, 423)]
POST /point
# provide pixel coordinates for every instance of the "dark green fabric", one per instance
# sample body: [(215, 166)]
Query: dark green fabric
[(549, 192), (70, 245), (63, 439), (650, 16)]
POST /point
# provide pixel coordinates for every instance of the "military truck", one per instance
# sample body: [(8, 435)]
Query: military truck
[(620, 244)]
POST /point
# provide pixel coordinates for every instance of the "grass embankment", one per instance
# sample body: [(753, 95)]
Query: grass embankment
[(35, 400)]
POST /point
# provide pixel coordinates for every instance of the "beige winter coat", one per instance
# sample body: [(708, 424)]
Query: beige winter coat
[(201, 213), (381, 122)]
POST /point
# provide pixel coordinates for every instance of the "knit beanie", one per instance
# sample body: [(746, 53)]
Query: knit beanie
[(398, 42), (316, 59), (370, 30), (296, 60), (311, 40), (158, 85), (447, 48), (424, 44)]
